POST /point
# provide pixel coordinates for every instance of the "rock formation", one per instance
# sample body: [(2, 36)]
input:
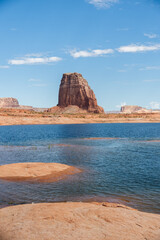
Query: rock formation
[(8, 103), (74, 90), (134, 109), (77, 220), (36, 171)]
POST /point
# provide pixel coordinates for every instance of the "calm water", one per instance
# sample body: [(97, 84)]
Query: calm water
[(125, 170)]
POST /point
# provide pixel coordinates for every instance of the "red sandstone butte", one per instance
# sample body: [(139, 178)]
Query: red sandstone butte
[(75, 91)]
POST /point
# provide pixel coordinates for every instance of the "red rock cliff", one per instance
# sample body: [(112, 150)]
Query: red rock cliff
[(74, 90)]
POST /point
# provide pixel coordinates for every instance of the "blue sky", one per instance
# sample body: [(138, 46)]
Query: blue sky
[(115, 44)]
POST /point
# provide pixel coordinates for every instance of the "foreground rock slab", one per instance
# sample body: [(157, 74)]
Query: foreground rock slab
[(77, 221), (41, 172)]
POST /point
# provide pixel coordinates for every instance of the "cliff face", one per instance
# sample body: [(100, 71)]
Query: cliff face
[(74, 90), (8, 103)]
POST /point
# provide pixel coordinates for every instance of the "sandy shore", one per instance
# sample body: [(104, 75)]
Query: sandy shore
[(41, 172), (77, 221), (26, 117), (4, 121)]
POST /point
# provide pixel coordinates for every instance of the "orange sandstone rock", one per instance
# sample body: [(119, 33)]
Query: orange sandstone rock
[(42, 172), (77, 221)]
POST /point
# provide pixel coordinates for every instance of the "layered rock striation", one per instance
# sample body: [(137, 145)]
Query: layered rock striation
[(8, 103), (74, 90)]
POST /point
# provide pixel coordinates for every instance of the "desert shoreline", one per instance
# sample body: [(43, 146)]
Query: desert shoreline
[(27, 117), (11, 121)]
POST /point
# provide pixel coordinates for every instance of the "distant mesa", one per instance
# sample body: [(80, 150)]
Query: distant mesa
[(134, 109), (12, 103), (76, 95), (9, 103)]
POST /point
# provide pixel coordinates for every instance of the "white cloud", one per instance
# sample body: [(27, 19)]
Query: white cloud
[(92, 53), (151, 36), (138, 48), (155, 105), (121, 105), (102, 3), (133, 48), (4, 66), (34, 60)]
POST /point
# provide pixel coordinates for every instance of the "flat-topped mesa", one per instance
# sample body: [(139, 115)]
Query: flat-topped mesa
[(134, 109), (9, 103), (74, 90)]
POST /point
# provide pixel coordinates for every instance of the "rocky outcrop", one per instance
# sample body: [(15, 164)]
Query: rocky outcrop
[(134, 109), (77, 220), (8, 103), (74, 90), (36, 171)]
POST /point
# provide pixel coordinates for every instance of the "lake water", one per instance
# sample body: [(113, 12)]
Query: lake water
[(125, 169)]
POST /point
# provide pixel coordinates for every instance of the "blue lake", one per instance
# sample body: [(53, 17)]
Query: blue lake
[(125, 169)]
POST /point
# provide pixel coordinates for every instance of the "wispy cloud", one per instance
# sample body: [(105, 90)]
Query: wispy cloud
[(38, 85), (151, 80), (4, 66), (36, 55), (150, 68), (34, 60), (92, 53), (138, 48), (155, 105), (151, 36), (33, 80), (102, 3)]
